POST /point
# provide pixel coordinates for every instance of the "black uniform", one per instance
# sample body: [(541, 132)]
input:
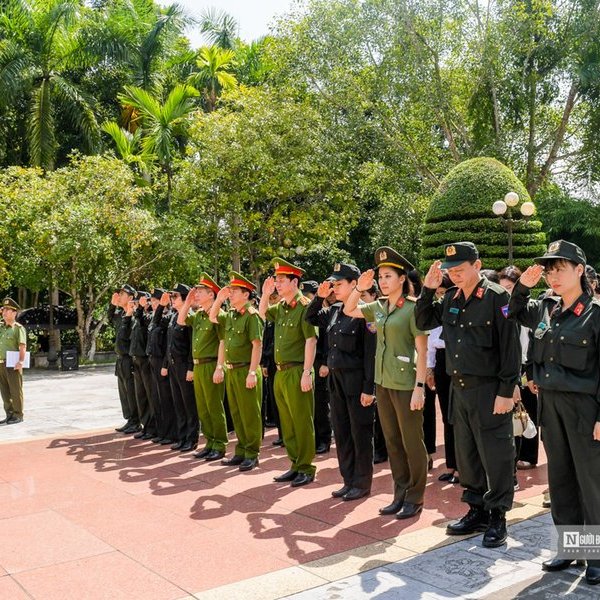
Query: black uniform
[(566, 368), (483, 358), (351, 362), (156, 349), (267, 361), (124, 364), (322, 418), (179, 361)]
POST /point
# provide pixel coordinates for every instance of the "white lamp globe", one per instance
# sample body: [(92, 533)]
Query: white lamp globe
[(499, 207), (512, 198), (527, 209)]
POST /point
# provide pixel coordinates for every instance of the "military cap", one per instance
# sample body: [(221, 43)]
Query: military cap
[(181, 289), (565, 250), (283, 267), (157, 293), (139, 295), (458, 253), (10, 303), (309, 287), (344, 271), (237, 280), (207, 281), (388, 257), (128, 289)]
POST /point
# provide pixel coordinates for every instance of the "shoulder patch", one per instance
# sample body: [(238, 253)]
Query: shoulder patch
[(371, 327), (504, 310)]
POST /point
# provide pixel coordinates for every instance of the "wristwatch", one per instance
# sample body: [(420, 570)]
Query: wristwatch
[(420, 384)]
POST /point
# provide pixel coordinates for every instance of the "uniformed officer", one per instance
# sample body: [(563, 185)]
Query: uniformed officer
[(322, 418), (178, 361), (295, 348), (13, 337), (142, 375), (124, 364), (400, 366), (209, 356), (483, 357), (351, 363), (241, 328), (566, 355)]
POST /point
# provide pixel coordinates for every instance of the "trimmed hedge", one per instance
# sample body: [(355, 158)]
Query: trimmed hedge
[(461, 210)]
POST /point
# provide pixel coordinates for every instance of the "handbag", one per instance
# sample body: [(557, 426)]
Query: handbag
[(522, 423)]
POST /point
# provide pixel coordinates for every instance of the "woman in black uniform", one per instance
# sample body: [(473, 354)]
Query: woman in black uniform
[(566, 359)]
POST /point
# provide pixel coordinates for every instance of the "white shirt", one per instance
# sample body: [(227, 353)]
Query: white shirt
[(434, 343)]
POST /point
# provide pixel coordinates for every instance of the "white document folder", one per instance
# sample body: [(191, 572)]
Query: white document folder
[(12, 358)]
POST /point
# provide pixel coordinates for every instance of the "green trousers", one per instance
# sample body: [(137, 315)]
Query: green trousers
[(296, 413), (209, 402), (244, 405), (11, 388)]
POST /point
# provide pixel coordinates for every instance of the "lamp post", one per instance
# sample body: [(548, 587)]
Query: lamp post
[(503, 209)]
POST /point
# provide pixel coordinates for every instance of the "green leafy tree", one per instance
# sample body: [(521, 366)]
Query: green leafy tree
[(220, 28)]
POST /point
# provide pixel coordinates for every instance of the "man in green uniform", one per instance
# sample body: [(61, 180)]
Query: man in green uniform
[(208, 355), (483, 358), (242, 329), (13, 337), (295, 349)]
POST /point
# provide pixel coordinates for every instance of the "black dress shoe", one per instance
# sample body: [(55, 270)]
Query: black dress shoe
[(341, 492), (214, 455), (302, 479), (393, 508), (556, 564), (187, 447), (123, 427), (379, 458), (177, 445), (409, 510), (356, 493), (477, 519), (446, 476), (156, 440), (430, 464), (248, 464), (202, 453), (14, 420), (592, 575), (234, 461), (322, 448), (132, 429), (3, 422), (147, 436), (277, 442), (495, 535), (287, 476), (165, 442), (139, 435)]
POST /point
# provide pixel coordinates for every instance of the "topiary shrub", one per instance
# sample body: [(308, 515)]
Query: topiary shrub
[(461, 210)]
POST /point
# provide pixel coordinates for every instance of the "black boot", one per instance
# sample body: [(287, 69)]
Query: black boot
[(477, 519), (496, 533)]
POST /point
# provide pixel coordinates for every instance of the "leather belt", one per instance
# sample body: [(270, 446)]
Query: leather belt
[(229, 365), (288, 365), (468, 382), (204, 361)]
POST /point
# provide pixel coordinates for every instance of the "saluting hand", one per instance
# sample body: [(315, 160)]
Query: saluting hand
[(223, 294), (164, 299), (324, 289), (143, 301), (114, 300), (129, 308), (532, 275), (268, 286), (365, 281), (434, 276)]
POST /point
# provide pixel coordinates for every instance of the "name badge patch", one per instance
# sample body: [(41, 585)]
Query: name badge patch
[(454, 310)]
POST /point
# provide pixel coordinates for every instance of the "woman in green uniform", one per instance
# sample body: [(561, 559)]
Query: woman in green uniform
[(566, 358), (400, 368)]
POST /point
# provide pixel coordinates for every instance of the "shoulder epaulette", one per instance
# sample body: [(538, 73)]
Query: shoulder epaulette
[(411, 298), (496, 287), (252, 310), (304, 300)]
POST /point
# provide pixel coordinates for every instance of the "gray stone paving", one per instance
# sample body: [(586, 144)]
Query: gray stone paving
[(57, 402), (467, 570)]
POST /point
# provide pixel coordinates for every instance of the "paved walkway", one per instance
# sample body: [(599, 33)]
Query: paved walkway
[(100, 515)]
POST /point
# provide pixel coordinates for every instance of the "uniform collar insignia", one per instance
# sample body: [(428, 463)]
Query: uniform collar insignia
[(579, 308), (242, 310), (293, 303), (479, 293), (400, 302)]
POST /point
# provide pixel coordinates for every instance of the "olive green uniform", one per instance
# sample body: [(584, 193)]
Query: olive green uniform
[(483, 358), (209, 395), (566, 368), (395, 375), (11, 380), (239, 329), (296, 408)]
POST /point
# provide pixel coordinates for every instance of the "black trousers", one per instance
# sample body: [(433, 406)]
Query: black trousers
[(352, 427), (573, 457), (184, 401), (271, 412), (442, 388), (379, 438), (165, 415), (485, 447), (528, 448), (124, 373), (429, 428), (322, 418), (142, 379)]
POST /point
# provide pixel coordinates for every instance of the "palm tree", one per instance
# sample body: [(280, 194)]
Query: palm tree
[(213, 74), (161, 123), (220, 28), (129, 148), (38, 53)]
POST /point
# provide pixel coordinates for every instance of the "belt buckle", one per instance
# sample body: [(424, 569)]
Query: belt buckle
[(196, 361), (228, 365), (278, 367)]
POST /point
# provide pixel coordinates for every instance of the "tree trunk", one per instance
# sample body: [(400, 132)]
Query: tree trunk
[(235, 253), (53, 333)]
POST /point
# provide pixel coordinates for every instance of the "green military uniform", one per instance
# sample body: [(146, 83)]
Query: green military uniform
[(11, 380), (239, 329), (566, 359), (296, 408), (483, 358)]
